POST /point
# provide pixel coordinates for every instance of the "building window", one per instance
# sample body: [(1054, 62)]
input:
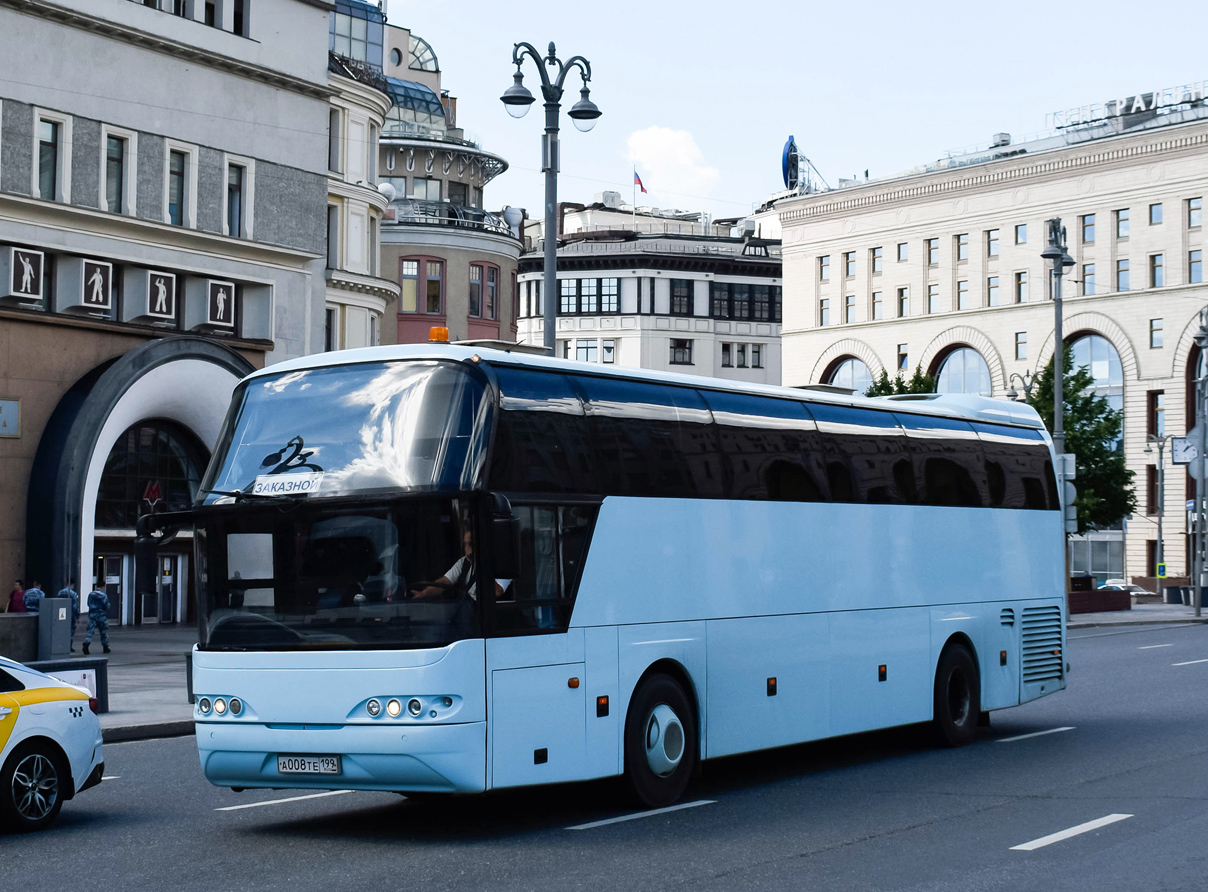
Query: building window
[(727, 360), (992, 243), (568, 302), (903, 302), (331, 332), (1195, 267), (1021, 288), (1088, 229), (740, 300), (721, 300), (849, 308), (49, 145), (1155, 333), (1088, 278), (1155, 214), (756, 356), (877, 260), (933, 298), (962, 246), (422, 294), (933, 251), (1195, 208), (681, 297), (849, 264), (1151, 497), (608, 350), (333, 140), (824, 311), (585, 351), (1122, 223), (236, 176), (1122, 274), (609, 296), (903, 358), (878, 306), (1156, 415), (1021, 345), (761, 295), (740, 352), (962, 295), (178, 176), (333, 237), (1157, 274), (115, 174), (589, 296), (824, 268), (1021, 234), (992, 291), (425, 189), (776, 302), (681, 351), (903, 251), (475, 289), (564, 349)]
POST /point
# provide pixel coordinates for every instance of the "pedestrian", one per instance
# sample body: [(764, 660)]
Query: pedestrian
[(33, 595), (16, 598), (70, 592), (98, 618)]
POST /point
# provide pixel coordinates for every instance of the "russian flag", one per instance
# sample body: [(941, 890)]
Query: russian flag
[(637, 181)]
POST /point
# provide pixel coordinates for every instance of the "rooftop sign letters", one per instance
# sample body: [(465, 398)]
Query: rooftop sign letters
[(1131, 105)]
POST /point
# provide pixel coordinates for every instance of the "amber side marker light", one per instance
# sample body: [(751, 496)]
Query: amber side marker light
[(772, 686), (882, 672), (601, 707), (438, 334), (1002, 658), (572, 682)]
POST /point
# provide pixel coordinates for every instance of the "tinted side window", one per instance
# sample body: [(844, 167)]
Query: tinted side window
[(1019, 469), (867, 459), (541, 441), (947, 459), (652, 440), (553, 543), (8, 684), (770, 448)]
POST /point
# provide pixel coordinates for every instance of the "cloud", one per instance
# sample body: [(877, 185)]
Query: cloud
[(670, 161)]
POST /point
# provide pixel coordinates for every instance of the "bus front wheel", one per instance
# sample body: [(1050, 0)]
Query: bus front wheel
[(957, 696), (660, 741)]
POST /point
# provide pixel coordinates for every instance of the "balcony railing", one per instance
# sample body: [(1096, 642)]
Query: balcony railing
[(414, 211)]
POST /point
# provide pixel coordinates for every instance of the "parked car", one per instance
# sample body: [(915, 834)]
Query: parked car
[(50, 746), (1118, 586)]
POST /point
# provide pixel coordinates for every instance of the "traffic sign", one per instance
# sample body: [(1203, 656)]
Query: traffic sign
[(1161, 571)]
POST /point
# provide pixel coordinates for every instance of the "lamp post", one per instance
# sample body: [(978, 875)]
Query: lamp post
[(1160, 439), (1200, 562), (1059, 259), (1026, 381), (517, 99)]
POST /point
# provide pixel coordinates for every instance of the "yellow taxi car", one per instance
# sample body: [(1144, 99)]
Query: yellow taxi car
[(50, 746)]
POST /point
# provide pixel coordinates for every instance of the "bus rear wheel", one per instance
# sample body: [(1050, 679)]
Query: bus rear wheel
[(660, 741), (957, 696)]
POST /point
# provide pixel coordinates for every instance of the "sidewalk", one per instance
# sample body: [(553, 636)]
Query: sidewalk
[(148, 691), (1140, 615)]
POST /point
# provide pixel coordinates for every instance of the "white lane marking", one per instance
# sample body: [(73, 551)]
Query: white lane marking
[(110, 777), (283, 801), (643, 814), (1035, 734), (1066, 834), (1152, 646), (1189, 663)]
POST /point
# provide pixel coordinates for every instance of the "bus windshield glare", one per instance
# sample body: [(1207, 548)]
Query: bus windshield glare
[(414, 426)]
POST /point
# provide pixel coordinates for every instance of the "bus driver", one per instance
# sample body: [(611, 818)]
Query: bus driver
[(461, 573)]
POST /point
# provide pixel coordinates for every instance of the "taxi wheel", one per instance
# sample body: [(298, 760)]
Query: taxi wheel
[(31, 787)]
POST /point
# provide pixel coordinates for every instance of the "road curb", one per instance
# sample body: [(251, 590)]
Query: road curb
[(147, 732), (1190, 620)]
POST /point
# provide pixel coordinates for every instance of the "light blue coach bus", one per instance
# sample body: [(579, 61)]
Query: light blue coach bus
[(445, 569)]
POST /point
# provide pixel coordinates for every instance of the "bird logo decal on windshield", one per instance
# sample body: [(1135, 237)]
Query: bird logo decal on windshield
[(296, 459)]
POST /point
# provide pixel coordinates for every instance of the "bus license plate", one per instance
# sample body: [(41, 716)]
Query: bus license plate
[(308, 764)]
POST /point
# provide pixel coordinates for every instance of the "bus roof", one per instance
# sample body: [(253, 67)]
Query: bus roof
[(955, 405)]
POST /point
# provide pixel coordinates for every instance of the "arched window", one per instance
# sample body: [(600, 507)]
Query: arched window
[(422, 57), (154, 464), (852, 373), (964, 371), (1096, 354)]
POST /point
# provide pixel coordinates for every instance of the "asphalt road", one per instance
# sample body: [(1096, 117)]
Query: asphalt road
[(876, 811)]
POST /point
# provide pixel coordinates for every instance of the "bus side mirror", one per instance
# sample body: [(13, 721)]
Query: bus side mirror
[(505, 540)]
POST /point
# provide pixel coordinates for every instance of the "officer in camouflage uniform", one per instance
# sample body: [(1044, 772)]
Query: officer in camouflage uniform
[(98, 618)]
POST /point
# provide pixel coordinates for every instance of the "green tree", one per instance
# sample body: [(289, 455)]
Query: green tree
[(1092, 428), (919, 383)]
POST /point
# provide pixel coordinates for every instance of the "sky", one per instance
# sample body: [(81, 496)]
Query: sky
[(701, 97)]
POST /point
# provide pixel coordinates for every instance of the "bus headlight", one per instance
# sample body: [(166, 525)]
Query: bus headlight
[(415, 707), (373, 707), (219, 706), (394, 708), (236, 706), (203, 706)]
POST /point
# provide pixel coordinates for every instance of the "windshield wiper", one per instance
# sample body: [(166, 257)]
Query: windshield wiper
[(240, 495)]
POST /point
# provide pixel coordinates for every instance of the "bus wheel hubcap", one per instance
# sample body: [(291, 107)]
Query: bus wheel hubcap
[(664, 740), (35, 787), (958, 698)]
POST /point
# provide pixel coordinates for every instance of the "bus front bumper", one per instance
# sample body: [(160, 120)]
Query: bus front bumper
[(434, 758)]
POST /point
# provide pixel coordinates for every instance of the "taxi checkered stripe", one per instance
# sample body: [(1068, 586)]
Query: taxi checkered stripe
[(76, 711)]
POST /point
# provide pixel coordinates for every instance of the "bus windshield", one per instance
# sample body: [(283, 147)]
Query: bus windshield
[(408, 426), (329, 575)]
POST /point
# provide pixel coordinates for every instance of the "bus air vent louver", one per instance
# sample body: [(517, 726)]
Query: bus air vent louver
[(1042, 658), (1007, 617)]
